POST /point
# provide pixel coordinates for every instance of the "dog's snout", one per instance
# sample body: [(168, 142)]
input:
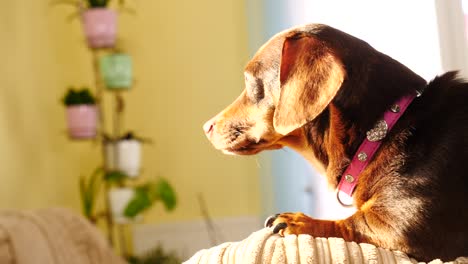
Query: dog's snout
[(208, 126)]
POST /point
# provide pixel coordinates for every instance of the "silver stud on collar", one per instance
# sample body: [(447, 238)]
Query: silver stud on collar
[(362, 156), (395, 108), (349, 178), (378, 132)]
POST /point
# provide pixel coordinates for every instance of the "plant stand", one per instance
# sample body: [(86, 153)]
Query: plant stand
[(120, 164), (117, 113)]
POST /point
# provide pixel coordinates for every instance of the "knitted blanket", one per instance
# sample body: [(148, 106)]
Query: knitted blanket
[(51, 236), (263, 247)]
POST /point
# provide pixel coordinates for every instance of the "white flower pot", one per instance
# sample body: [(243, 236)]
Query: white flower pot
[(125, 156), (119, 199), (128, 156)]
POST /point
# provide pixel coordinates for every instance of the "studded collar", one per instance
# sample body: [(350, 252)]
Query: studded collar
[(369, 147)]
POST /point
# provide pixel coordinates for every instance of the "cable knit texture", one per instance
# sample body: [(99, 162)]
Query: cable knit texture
[(264, 247), (51, 236)]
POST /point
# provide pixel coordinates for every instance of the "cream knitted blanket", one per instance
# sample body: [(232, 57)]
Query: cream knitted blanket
[(52, 236), (263, 247)]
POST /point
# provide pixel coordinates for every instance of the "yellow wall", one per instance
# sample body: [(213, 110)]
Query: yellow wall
[(188, 60)]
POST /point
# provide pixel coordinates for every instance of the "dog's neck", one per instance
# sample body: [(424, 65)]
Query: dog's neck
[(330, 141), (322, 142), (370, 145)]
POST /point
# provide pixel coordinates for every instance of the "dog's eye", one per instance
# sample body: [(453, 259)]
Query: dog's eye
[(257, 91)]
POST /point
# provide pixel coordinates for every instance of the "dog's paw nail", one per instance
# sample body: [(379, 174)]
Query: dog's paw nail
[(269, 221), (279, 227)]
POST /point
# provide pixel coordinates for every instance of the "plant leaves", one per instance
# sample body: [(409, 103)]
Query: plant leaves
[(83, 96), (84, 197), (166, 194), (115, 177), (94, 187), (95, 176), (156, 255), (89, 190), (147, 194), (98, 3), (140, 202)]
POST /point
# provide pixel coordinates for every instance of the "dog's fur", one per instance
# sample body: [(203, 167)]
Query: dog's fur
[(318, 90)]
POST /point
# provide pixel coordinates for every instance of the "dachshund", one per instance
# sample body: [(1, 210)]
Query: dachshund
[(320, 91)]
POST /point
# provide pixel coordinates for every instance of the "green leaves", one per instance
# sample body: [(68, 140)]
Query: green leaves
[(140, 202), (90, 3), (115, 177), (166, 193), (98, 3), (73, 97), (102, 3), (156, 255), (89, 190), (146, 195)]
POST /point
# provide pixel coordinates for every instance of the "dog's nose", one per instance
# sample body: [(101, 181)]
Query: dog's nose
[(208, 127)]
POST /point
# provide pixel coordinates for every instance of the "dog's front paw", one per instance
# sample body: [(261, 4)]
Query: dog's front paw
[(290, 224)]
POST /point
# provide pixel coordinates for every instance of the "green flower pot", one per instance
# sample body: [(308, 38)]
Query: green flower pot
[(117, 71)]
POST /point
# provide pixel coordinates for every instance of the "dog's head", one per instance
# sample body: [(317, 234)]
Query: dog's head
[(289, 82)]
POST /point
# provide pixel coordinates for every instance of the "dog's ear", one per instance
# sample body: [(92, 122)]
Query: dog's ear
[(310, 76)]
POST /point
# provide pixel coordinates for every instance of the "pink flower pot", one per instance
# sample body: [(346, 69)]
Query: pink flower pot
[(100, 27), (82, 121)]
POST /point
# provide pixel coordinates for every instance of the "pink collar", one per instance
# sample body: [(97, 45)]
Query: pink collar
[(369, 147)]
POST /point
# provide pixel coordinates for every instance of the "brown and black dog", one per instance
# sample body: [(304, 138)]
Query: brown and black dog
[(318, 91)]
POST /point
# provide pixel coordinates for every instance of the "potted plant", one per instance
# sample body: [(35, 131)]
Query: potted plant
[(99, 24), (119, 195), (116, 68), (127, 203), (81, 113), (124, 154)]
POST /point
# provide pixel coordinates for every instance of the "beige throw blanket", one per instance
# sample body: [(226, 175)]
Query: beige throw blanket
[(264, 247), (52, 236)]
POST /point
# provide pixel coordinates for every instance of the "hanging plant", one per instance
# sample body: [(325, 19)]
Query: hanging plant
[(99, 22), (119, 198), (100, 26), (81, 113), (124, 154), (127, 203), (116, 70)]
